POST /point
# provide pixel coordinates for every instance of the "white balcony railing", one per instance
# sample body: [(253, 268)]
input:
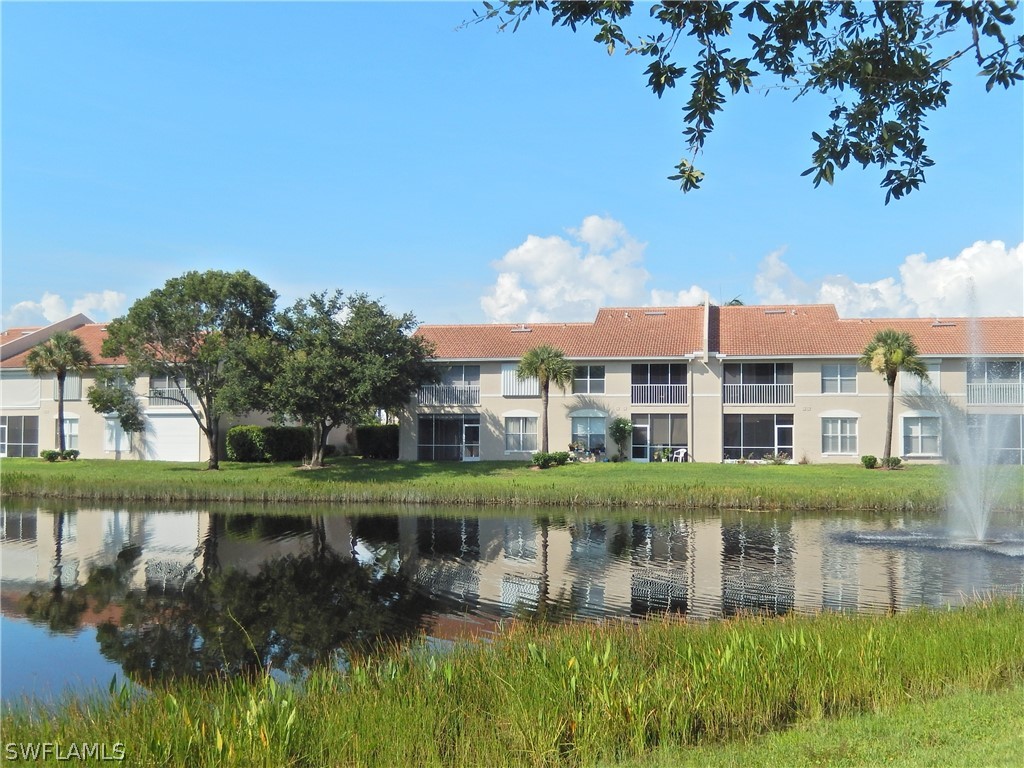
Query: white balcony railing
[(449, 394), (758, 394), (998, 393), (171, 397), (658, 394)]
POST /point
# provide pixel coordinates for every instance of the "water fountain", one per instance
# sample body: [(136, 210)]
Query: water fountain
[(978, 481)]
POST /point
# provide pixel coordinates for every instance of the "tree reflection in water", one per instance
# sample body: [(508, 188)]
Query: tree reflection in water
[(293, 613)]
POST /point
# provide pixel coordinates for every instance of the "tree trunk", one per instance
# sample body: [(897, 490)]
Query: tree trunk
[(213, 438), (544, 418), (61, 440), (887, 451), (320, 432)]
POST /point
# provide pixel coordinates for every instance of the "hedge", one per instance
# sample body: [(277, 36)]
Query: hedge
[(249, 443), (377, 442)]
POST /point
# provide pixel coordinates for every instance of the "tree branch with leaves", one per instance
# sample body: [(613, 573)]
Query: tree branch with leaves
[(886, 66)]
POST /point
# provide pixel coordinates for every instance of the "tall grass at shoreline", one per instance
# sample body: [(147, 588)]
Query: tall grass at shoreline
[(568, 696), (670, 485)]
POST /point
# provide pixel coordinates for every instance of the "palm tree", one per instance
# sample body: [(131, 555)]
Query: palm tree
[(888, 353), (549, 366), (62, 354)]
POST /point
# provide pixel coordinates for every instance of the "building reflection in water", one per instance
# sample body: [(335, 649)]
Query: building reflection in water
[(467, 573)]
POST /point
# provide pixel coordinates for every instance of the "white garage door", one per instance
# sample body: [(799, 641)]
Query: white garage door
[(172, 437)]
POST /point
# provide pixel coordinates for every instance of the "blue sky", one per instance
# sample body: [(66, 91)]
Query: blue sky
[(463, 175)]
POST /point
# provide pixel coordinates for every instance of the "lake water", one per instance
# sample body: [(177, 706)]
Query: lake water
[(88, 594)]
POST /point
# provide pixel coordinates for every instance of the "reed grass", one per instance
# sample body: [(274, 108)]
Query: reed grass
[(579, 695), (352, 481)]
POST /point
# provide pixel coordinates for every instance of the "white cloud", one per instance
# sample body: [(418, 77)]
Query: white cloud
[(101, 305), (689, 297), (548, 278), (985, 279), (104, 305)]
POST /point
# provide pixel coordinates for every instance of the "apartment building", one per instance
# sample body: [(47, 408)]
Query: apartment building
[(28, 405), (722, 383)]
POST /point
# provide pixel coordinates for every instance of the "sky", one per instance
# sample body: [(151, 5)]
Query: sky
[(458, 173)]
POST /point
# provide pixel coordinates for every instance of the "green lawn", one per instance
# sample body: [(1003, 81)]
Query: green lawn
[(352, 480), (966, 730)]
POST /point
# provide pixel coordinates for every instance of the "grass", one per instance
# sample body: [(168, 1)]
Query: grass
[(590, 695), (964, 730), (351, 480)]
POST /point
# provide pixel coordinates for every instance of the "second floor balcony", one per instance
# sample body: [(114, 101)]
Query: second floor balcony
[(757, 394), (449, 394), (996, 393), (163, 397), (658, 394)]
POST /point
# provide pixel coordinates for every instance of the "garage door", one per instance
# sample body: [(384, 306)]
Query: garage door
[(172, 437)]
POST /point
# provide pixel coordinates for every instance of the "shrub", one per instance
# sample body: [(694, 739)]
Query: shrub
[(246, 443), (70, 454), (869, 461), (49, 455), (287, 443), (546, 460), (250, 443), (776, 458), (893, 462), (377, 441), (619, 431)]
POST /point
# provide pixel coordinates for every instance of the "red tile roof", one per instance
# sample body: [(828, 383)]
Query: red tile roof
[(92, 336), (632, 332), (791, 330)]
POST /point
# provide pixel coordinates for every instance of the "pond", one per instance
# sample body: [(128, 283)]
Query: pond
[(88, 594)]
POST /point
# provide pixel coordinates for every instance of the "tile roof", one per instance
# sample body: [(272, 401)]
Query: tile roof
[(780, 330), (92, 336), (630, 332)]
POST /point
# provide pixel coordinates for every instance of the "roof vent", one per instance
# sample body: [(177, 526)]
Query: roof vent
[(655, 313), (939, 324), (775, 311), (522, 329)]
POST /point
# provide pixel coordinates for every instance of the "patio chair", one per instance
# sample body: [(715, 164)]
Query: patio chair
[(680, 454)]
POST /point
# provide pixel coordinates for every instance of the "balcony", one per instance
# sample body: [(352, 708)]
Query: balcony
[(171, 397), (658, 394), (997, 393), (449, 394), (757, 394)]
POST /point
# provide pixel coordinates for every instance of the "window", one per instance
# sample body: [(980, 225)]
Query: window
[(997, 438), (72, 387), (447, 437), (656, 383), (656, 431), (588, 432), (70, 432), (839, 378), (915, 385), (588, 379), (169, 390), (513, 386), (839, 435), (755, 435), (995, 382), (758, 383), (921, 436), (21, 436), (520, 433), (467, 375)]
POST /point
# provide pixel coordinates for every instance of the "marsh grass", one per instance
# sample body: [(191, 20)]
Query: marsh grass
[(578, 695), (351, 480)]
